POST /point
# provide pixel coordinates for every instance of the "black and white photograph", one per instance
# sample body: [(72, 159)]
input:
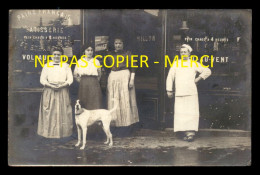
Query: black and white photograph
[(129, 87)]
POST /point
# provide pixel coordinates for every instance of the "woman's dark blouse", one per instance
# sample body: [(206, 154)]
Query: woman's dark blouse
[(123, 65)]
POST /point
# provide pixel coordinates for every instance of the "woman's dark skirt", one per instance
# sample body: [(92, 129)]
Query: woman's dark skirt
[(90, 94)]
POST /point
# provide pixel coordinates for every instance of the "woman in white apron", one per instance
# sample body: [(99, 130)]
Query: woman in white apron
[(186, 107), (121, 88)]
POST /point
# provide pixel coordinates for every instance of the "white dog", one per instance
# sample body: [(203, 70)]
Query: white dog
[(85, 118)]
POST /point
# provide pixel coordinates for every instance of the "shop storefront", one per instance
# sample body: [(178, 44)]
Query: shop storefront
[(225, 97)]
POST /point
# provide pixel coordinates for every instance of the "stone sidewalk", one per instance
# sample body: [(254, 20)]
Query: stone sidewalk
[(152, 139), (145, 147)]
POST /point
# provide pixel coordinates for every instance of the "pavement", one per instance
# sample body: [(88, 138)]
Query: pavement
[(144, 147)]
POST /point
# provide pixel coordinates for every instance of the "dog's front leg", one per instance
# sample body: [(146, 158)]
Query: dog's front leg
[(84, 135), (79, 135)]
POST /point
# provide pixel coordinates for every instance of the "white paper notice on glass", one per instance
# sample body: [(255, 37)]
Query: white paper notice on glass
[(68, 51)]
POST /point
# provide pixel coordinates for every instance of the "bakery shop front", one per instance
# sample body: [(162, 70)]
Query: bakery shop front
[(224, 98)]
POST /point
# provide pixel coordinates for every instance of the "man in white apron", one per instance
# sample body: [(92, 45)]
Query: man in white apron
[(186, 107)]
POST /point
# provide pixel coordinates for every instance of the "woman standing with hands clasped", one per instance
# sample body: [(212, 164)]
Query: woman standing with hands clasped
[(55, 114), (186, 107)]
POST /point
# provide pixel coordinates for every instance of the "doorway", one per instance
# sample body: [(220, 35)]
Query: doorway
[(142, 32)]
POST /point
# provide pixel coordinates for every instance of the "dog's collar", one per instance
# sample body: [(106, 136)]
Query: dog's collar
[(78, 112)]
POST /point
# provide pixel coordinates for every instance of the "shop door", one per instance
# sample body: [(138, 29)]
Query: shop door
[(142, 32)]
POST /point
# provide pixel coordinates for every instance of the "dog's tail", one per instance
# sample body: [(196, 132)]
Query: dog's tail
[(115, 106)]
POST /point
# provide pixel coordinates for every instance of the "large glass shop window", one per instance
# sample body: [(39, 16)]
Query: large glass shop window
[(33, 33)]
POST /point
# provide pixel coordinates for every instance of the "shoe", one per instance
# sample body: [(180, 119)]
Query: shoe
[(190, 138), (185, 138)]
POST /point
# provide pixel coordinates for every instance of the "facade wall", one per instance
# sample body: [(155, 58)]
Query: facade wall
[(225, 97)]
